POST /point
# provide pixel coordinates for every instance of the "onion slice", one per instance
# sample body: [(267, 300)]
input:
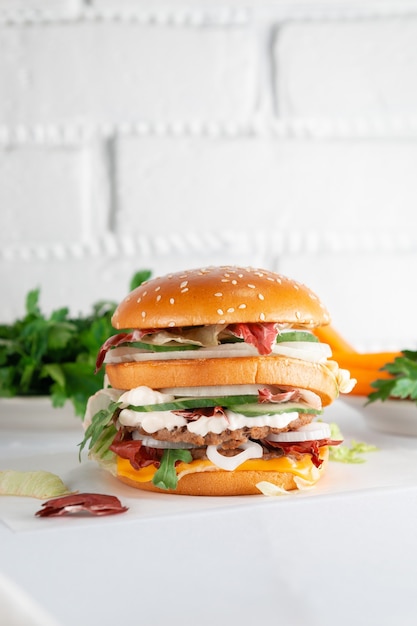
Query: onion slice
[(309, 432), (213, 390), (150, 442), (251, 450), (305, 350)]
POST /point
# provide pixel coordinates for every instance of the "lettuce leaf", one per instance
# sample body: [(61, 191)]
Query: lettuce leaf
[(36, 484), (348, 453)]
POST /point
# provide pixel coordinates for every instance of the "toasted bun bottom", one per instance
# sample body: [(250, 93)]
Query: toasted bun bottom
[(224, 483), (262, 370)]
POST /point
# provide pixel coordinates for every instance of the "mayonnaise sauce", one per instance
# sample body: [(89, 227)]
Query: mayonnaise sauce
[(151, 422)]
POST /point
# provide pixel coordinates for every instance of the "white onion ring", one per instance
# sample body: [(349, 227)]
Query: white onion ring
[(251, 450), (309, 432)]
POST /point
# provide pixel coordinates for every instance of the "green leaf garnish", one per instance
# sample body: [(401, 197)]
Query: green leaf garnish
[(403, 384), (100, 423), (165, 476), (348, 453), (55, 355), (139, 278)]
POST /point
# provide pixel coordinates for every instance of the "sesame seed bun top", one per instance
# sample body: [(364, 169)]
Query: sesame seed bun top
[(220, 295)]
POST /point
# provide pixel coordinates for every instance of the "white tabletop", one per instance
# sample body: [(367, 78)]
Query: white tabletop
[(342, 553)]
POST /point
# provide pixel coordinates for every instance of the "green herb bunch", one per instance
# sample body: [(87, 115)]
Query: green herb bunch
[(55, 355), (403, 381)]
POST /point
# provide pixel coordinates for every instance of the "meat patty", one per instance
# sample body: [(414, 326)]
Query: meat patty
[(228, 439)]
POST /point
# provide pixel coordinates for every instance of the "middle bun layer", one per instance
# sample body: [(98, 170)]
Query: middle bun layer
[(260, 370)]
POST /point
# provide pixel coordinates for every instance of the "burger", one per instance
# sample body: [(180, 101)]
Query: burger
[(215, 384)]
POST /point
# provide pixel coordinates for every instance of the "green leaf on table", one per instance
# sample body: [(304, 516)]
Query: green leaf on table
[(36, 484)]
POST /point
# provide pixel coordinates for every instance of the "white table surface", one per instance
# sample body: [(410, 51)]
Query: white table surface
[(342, 553)]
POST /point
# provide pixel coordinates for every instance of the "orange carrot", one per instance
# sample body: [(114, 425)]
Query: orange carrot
[(364, 366), (364, 379), (328, 334), (364, 360)]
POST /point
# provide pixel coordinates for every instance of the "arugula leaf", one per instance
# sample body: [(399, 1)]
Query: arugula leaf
[(403, 383), (165, 476), (101, 422)]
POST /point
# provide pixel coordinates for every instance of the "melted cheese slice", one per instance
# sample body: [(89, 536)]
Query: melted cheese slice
[(302, 467)]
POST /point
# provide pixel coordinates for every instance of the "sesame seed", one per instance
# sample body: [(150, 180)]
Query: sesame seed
[(298, 315), (158, 298), (158, 288), (145, 293), (296, 287), (225, 280), (242, 306), (139, 300), (219, 311), (218, 294), (240, 275), (231, 310), (172, 300), (171, 324), (184, 290), (251, 286), (143, 314), (234, 282), (262, 316), (222, 321), (261, 296), (184, 284)]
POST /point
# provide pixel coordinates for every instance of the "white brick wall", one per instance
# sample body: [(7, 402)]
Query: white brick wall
[(114, 72), (359, 69), (168, 134)]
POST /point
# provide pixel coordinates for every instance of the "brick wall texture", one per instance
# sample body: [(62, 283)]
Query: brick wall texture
[(168, 135)]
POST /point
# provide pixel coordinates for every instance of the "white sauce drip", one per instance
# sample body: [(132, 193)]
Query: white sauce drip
[(145, 395), (151, 422)]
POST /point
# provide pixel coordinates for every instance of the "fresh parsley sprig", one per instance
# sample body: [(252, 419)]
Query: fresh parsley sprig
[(55, 355), (403, 381)]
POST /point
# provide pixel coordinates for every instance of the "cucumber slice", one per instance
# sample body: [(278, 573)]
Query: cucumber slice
[(272, 408), (296, 335), (142, 345), (196, 403)]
